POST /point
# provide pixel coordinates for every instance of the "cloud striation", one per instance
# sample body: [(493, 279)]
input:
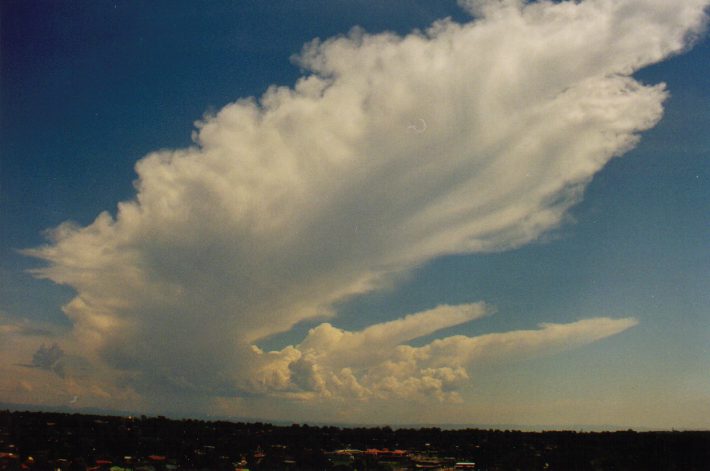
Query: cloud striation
[(389, 152)]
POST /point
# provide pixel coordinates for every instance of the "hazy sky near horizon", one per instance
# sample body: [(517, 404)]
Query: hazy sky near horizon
[(358, 211)]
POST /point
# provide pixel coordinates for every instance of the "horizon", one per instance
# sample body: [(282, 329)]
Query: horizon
[(535, 428), (485, 211)]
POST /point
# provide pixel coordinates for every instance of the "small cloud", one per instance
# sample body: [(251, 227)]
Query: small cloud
[(30, 331), (49, 358)]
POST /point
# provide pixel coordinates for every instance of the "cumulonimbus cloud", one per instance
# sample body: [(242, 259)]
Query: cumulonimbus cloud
[(318, 192)]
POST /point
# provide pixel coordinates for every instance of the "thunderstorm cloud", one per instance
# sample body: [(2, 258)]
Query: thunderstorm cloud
[(390, 151)]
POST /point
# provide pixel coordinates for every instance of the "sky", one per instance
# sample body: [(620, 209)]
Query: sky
[(402, 212)]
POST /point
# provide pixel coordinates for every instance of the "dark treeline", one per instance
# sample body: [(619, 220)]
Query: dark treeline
[(39, 440)]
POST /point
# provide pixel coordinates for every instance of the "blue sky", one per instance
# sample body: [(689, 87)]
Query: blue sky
[(90, 88)]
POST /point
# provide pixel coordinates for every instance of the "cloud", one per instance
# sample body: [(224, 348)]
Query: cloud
[(49, 358), (10, 326), (549, 338), (38, 369), (376, 341), (330, 361), (57, 361), (378, 363), (310, 195)]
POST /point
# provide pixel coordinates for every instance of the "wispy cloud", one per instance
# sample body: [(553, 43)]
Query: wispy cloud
[(288, 204), (10, 326)]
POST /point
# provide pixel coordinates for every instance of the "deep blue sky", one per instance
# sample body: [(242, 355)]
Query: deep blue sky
[(87, 88)]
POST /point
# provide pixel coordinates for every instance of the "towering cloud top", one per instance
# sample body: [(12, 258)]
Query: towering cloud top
[(389, 152)]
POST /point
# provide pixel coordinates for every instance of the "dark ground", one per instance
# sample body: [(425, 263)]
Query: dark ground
[(76, 441)]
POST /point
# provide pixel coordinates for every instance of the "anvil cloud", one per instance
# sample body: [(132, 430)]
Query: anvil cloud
[(389, 152)]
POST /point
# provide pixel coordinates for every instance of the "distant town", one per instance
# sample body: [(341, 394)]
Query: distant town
[(72, 441)]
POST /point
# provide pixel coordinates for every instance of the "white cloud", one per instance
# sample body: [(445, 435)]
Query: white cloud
[(550, 338), (313, 194), (376, 341), (331, 362), (334, 362)]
